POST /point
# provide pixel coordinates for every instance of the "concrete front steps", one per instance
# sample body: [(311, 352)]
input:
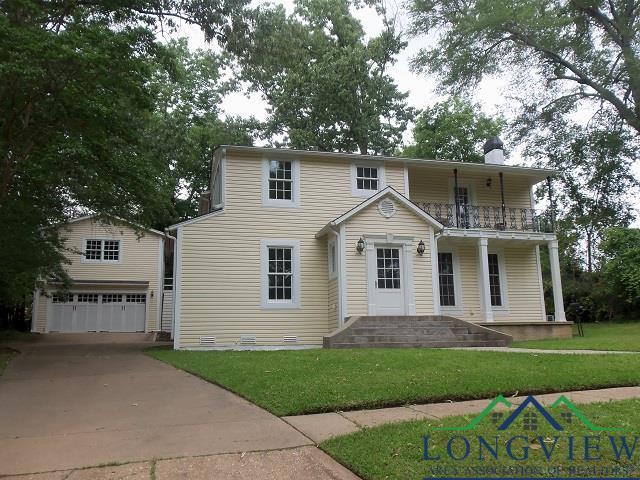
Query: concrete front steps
[(428, 331)]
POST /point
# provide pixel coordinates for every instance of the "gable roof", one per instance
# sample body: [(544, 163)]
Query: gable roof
[(125, 222), (385, 192)]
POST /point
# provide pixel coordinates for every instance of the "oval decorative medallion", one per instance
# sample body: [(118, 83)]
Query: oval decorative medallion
[(387, 208)]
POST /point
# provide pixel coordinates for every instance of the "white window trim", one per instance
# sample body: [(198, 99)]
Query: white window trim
[(84, 259), (221, 174), (332, 268), (355, 191), (503, 281), (295, 184), (265, 243), (457, 282)]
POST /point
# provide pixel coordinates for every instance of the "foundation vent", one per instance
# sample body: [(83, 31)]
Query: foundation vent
[(387, 208), (248, 339), (207, 341), (290, 339)]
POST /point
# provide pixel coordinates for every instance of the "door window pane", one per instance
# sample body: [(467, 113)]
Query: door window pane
[(447, 285), (494, 280), (388, 263)]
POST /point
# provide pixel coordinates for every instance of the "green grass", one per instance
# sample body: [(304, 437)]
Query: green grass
[(8, 335), (310, 381), (395, 451), (597, 336)]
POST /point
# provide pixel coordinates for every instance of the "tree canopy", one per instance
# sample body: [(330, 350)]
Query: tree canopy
[(327, 86), (454, 129), (581, 50)]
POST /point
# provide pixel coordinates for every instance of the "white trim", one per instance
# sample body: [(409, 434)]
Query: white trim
[(177, 285), (355, 191), (543, 307), (220, 156), (84, 259), (556, 280), (176, 226), (537, 237), (502, 272), (34, 309), (332, 267), (406, 181), (483, 281), (388, 191), (435, 276), (160, 287), (265, 244), (295, 184), (457, 282), (344, 304)]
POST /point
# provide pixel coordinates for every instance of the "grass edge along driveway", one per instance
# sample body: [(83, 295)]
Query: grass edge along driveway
[(395, 451), (294, 382)]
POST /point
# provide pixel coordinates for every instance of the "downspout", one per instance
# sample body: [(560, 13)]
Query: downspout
[(455, 196), (504, 208)]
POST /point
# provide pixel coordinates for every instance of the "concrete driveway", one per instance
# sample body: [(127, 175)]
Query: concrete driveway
[(67, 404)]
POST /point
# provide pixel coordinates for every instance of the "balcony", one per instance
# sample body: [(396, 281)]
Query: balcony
[(489, 217)]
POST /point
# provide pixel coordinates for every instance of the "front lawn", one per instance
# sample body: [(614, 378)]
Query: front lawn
[(310, 381), (597, 336), (396, 451)]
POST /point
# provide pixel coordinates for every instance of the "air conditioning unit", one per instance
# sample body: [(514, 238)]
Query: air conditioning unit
[(551, 318)]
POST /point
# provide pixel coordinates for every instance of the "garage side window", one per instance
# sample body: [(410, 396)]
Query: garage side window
[(97, 250)]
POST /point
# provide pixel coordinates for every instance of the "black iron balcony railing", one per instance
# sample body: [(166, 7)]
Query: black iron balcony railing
[(489, 217)]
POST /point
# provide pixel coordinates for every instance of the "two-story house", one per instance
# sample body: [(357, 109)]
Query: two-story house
[(293, 244), (116, 274)]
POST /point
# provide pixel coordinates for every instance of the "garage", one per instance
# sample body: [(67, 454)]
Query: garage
[(98, 312)]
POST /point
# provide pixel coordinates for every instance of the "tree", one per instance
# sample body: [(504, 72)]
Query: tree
[(621, 269), (596, 184), (327, 87), (452, 130), (583, 50), (76, 98), (188, 120)]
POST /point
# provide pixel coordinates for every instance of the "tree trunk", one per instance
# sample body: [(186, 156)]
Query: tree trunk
[(589, 253)]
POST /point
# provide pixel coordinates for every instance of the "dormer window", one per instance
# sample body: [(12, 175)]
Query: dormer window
[(366, 179), (280, 183), (98, 250)]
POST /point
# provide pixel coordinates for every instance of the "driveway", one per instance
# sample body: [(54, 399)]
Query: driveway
[(67, 404)]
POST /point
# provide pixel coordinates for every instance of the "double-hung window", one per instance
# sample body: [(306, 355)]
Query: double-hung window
[(366, 179), (446, 279), (280, 183), (97, 250), (495, 287), (280, 273)]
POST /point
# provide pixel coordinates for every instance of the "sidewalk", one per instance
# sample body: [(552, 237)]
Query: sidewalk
[(322, 426)]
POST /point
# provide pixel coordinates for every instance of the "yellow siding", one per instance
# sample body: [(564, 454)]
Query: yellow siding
[(522, 282), (431, 185), (220, 284), (139, 262), (403, 223)]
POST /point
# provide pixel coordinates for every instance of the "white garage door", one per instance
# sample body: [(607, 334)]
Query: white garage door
[(98, 312)]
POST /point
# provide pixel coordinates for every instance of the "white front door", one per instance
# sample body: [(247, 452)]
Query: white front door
[(388, 284)]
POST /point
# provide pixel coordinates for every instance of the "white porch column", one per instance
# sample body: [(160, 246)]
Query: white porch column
[(485, 292), (556, 281)]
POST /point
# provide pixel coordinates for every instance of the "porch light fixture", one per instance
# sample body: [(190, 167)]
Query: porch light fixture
[(489, 180), (420, 247), (360, 245)]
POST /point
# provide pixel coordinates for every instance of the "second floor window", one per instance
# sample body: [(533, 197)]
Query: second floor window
[(280, 180), (367, 178), (97, 250)]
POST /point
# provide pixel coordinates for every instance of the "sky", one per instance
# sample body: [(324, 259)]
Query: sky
[(419, 86)]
